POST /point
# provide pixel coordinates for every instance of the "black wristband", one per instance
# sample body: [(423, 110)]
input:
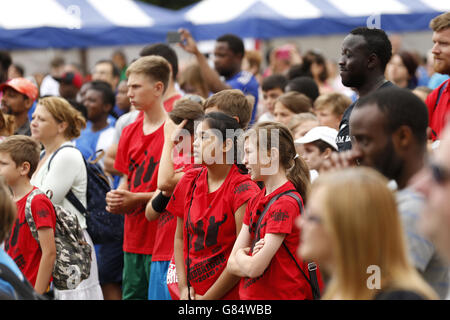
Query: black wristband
[(160, 202)]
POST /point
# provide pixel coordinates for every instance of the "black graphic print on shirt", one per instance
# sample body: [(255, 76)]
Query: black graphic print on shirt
[(205, 239)]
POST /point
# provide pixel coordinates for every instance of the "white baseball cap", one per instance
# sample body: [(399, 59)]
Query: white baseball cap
[(323, 133)]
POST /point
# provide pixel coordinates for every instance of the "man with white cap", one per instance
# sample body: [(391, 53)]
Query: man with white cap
[(318, 144), (19, 95)]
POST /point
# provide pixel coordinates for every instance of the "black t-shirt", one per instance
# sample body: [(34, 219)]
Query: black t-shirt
[(343, 140)]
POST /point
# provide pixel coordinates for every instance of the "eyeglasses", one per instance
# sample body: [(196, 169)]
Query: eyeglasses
[(439, 173)]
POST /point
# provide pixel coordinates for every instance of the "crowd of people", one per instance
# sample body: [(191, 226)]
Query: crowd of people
[(309, 179)]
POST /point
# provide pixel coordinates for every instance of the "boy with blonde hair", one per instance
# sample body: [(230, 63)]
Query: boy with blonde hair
[(138, 156), (232, 102), (329, 109)]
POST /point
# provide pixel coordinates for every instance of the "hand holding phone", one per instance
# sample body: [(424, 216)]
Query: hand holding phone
[(173, 37)]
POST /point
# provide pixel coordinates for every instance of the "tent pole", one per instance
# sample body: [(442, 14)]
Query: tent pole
[(83, 61)]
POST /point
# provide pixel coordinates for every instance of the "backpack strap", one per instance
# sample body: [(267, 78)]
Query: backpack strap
[(312, 267), (70, 195), (56, 151), (29, 214), (441, 90), (188, 221), (258, 224)]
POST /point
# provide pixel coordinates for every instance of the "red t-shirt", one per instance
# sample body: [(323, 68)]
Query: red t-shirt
[(211, 223), (283, 277), (167, 222), (138, 157), (168, 104), (437, 114), (20, 245)]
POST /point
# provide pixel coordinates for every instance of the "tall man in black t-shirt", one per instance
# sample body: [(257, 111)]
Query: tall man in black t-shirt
[(365, 53)]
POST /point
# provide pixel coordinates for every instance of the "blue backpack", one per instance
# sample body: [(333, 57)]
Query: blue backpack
[(102, 226)]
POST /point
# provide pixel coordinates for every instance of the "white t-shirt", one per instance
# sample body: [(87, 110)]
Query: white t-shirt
[(49, 87)]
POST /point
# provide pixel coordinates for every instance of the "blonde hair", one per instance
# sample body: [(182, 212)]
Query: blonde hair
[(188, 109), (365, 230), (22, 149), (62, 111), (440, 22), (155, 67), (296, 102), (8, 211), (337, 102), (254, 58), (233, 103), (6, 124), (192, 76), (299, 119)]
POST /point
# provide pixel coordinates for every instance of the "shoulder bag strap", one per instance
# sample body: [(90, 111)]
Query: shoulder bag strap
[(70, 195), (29, 215), (437, 102), (312, 267), (188, 221), (266, 208)]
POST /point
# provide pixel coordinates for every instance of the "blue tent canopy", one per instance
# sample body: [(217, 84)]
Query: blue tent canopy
[(265, 19), (31, 24)]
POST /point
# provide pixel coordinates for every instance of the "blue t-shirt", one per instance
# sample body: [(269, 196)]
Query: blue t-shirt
[(6, 260), (89, 142), (248, 84), (436, 80)]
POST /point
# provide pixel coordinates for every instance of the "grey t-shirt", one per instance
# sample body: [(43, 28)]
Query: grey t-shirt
[(421, 251), (122, 122)]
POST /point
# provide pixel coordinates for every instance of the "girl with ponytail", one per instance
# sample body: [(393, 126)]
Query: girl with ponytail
[(264, 252)]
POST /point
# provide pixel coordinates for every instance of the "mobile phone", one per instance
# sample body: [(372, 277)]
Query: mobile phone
[(173, 37)]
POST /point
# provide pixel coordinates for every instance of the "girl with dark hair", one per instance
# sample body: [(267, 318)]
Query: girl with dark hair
[(401, 70), (264, 252), (209, 203)]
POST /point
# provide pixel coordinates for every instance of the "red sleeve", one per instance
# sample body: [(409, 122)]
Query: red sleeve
[(43, 212), (281, 215), (178, 199), (121, 163), (248, 212), (431, 101), (243, 191)]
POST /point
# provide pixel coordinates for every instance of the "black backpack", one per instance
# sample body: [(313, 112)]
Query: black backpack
[(102, 226)]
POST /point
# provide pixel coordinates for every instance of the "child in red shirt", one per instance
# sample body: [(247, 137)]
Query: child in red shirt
[(263, 254), (138, 157), (176, 159), (19, 157), (209, 203)]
